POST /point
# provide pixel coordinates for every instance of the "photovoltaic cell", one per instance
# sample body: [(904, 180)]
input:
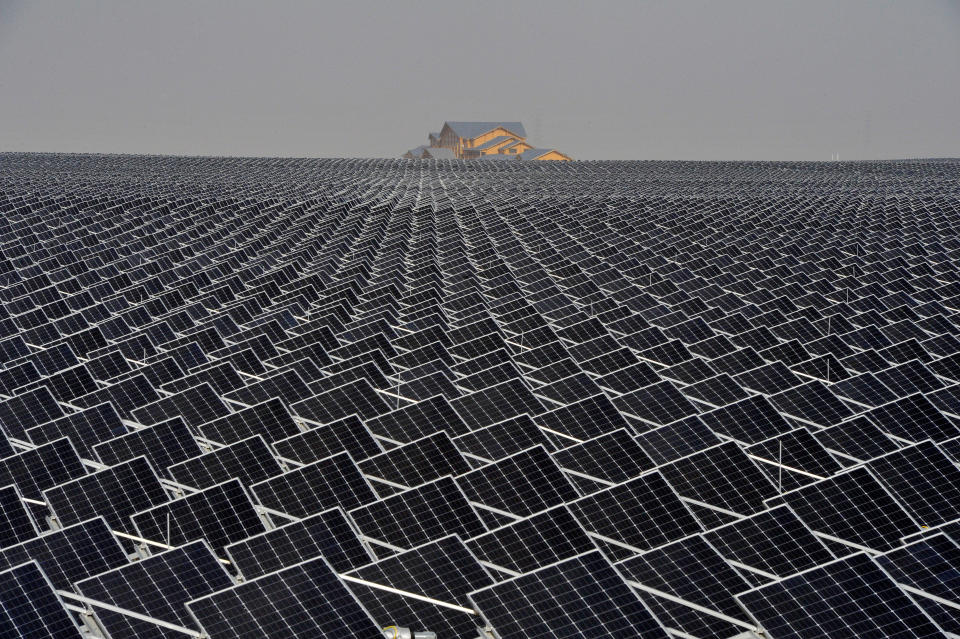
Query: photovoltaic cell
[(418, 462), (220, 514), (848, 598), (334, 482), (16, 523), (583, 596), (853, 506), (248, 460), (419, 515), (929, 566), (348, 434), (163, 444), (69, 554), (923, 479), (391, 303), (159, 587), (33, 471), (328, 534), (522, 484), (774, 541), (694, 571), (114, 493), (642, 513), (444, 570), (306, 601), (30, 608)]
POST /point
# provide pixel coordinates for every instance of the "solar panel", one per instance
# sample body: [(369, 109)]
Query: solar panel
[(794, 459), (223, 378), (620, 371), (33, 471), (307, 600), (126, 396), (333, 482), (327, 534), (583, 596), (418, 420), (114, 493), (614, 457), (503, 438), (269, 419), (221, 515), (355, 398), (692, 570), (911, 377), (857, 439), (521, 484), (723, 477), (158, 587), (533, 542), (416, 463), (287, 385), (69, 554), (496, 404), (716, 391), (775, 542), (84, 429), (923, 479), (16, 523), (913, 419), (163, 444), (854, 507), (657, 404), (195, 406), (347, 434), (928, 568), (26, 410), (30, 608), (443, 570), (758, 357), (637, 515), (416, 516), (850, 597), (248, 460), (679, 439), (813, 403), (588, 418)]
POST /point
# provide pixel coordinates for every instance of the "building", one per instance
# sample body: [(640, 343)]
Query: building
[(482, 140)]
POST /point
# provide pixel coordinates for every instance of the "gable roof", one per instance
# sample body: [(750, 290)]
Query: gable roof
[(533, 154), (513, 144), (418, 151), (493, 142), (471, 130)]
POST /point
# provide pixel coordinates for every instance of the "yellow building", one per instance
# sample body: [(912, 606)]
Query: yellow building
[(476, 140)]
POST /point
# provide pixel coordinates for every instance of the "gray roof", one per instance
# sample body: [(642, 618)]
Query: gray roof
[(533, 154), (500, 156), (473, 129), (493, 142), (512, 144), (438, 153)]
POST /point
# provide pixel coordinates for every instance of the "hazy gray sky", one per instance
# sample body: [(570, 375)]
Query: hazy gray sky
[(678, 79)]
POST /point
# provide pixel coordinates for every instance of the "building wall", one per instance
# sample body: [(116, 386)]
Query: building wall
[(554, 155), (486, 137), (450, 140), (494, 149), (517, 148)]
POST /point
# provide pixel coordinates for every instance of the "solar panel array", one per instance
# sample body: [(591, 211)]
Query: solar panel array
[(267, 397)]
